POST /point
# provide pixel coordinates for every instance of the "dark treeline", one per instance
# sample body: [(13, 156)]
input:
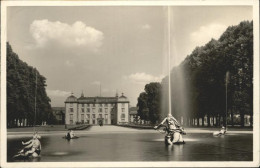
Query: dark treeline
[(218, 70), (21, 94), (149, 102)]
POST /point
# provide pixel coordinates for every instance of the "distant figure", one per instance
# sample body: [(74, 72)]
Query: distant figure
[(70, 135), (222, 131), (33, 147), (174, 130), (100, 123)]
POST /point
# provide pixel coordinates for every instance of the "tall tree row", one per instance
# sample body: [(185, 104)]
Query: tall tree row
[(22, 91), (214, 79)]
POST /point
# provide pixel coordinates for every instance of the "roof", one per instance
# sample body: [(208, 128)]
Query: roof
[(122, 98), (71, 99), (133, 110), (58, 108), (133, 113), (97, 100), (82, 99)]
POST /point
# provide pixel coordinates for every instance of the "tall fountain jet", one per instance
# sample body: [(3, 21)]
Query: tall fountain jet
[(169, 57)]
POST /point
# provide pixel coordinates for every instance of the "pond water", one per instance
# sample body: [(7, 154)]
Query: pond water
[(137, 146)]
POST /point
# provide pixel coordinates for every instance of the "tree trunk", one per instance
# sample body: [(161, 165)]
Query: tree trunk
[(208, 118), (219, 120), (232, 118), (198, 121), (251, 119), (224, 120), (203, 121), (242, 117)]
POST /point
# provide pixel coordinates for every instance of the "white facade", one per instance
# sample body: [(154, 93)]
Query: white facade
[(92, 110)]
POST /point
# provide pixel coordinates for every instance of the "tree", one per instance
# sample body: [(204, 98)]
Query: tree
[(23, 90), (142, 107), (153, 91), (149, 102), (203, 73)]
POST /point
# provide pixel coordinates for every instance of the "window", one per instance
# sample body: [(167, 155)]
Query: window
[(100, 105), (93, 110), (100, 110), (88, 110), (106, 116), (71, 104), (87, 121), (71, 118), (71, 110), (82, 118), (82, 110), (82, 105), (100, 116), (93, 116), (87, 105), (123, 104), (105, 105), (93, 121), (88, 116), (123, 109), (106, 110), (94, 105), (122, 116)]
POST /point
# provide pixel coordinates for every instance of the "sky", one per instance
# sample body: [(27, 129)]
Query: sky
[(79, 49)]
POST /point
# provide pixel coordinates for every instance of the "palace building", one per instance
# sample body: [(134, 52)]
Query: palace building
[(92, 110)]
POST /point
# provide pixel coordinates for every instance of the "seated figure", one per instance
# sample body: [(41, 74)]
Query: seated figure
[(222, 131), (33, 147), (70, 135)]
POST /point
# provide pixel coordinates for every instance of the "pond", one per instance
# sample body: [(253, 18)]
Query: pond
[(136, 146)]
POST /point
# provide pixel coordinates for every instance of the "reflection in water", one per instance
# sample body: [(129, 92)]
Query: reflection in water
[(70, 141), (185, 139), (59, 153), (174, 149), (37, 159), (178, 149), (29, 159)]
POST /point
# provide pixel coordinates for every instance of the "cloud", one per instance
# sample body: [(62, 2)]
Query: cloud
[(146, 27), (106, 90), (78, 34), (96, 83), (57, 93), (69, 63), (205, 33), (143, 78)]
